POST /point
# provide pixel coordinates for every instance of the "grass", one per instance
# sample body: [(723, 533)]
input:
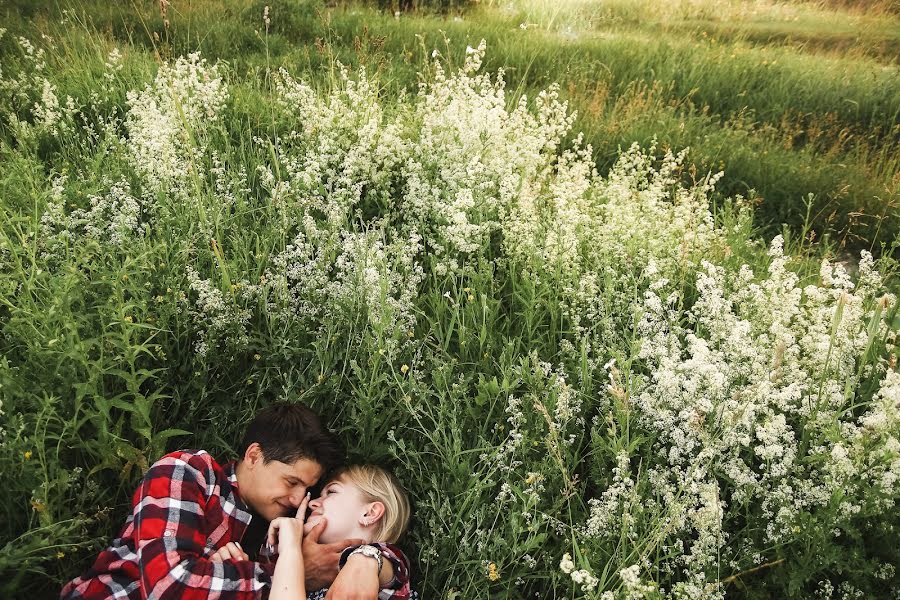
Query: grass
[(819, 120), (99, 371)]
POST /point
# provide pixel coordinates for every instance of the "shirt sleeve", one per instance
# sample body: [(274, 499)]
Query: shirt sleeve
[(398, 587), (170, 507)]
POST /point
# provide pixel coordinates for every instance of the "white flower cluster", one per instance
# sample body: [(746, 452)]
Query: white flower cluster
[(326, 277), (113, 218), (635, 589), (223, 322), (757, 381), (455, 164), (609, 512), (618, 251), (169, 120), (340, 152), (30, 87), (581, 577), (475, 166)]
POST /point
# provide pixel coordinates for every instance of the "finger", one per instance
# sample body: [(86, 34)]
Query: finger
[(315, 532), (223, 553), (272, 535), (301, 511), (239, 553), (216, 557), (236, 552)]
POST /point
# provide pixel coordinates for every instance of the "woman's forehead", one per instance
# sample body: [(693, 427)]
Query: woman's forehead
[(341, 479)]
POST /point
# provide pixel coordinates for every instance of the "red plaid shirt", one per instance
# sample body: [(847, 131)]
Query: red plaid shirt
[(185, 509)]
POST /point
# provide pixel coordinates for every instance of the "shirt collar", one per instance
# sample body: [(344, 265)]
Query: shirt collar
[(234, 504)]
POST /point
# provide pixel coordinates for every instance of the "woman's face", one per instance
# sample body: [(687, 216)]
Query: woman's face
[(343, 505)]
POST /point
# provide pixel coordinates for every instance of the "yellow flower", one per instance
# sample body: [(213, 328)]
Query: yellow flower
[(129, 319), (38, 506), (404, 369), (493, 575), (60, 554), (256, 357), (250, 381), (471, 297), (28, 455)]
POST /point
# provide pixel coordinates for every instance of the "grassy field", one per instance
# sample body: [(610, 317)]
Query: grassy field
[(788, 99), (603, 367)]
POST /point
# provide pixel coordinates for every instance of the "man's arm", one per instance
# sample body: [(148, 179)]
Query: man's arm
[(169, 537)]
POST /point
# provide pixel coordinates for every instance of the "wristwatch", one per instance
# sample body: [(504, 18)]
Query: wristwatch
[(371, 552)]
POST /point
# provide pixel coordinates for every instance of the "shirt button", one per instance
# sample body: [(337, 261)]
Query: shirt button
[(169, 533)]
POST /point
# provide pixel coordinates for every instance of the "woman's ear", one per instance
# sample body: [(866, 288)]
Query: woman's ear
[(374, 512)]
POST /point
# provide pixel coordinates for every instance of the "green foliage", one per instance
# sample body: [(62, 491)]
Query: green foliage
[(307, 247)]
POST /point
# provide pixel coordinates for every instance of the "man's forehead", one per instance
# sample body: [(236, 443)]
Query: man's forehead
[(303, 468)]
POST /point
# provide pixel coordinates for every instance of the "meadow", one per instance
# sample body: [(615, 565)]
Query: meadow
[(612, 287)]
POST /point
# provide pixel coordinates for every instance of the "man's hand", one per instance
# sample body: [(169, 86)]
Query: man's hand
[(230, 551), (321, 560), (358, 580)]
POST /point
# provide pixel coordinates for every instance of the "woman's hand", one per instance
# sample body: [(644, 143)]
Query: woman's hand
[(230, 551), (286, 533)]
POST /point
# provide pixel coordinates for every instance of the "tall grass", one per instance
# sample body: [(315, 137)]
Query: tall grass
[(594, 382), (829, 122)]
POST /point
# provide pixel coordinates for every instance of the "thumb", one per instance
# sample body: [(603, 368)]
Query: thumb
[(315, 532)]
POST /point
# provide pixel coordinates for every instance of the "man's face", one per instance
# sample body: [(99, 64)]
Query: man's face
[(275, 489)]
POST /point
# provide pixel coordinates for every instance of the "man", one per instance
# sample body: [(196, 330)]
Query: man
[(188, 506)]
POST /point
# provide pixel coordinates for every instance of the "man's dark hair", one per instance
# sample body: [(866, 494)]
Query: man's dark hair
[(288, 431)]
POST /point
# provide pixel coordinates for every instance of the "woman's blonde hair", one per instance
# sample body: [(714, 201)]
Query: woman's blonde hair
[(379, 485)]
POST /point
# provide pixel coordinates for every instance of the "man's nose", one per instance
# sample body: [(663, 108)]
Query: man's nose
[(296, 497)]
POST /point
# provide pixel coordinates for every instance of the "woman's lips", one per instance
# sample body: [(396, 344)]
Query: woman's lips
[(312, 521)]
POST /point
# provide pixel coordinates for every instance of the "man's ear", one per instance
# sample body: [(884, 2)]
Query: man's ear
[(253, 455), (374, 512)]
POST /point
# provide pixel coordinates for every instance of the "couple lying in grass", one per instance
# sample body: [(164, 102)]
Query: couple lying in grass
[(250, 528)]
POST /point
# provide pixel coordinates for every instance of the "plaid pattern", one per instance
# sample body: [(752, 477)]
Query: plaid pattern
[(396, 589), (186, 508)]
